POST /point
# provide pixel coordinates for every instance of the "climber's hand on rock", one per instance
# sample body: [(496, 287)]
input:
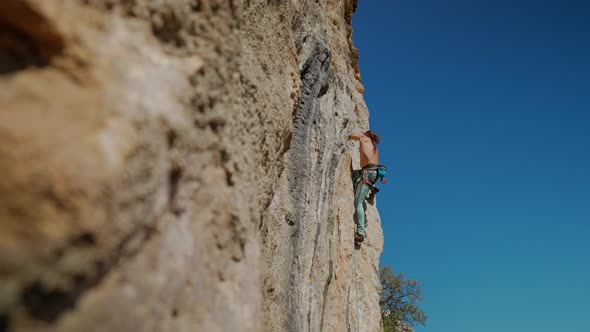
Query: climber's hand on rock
[(366, 181)]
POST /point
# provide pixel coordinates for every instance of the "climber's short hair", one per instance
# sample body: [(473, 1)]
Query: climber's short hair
[(374, 137)]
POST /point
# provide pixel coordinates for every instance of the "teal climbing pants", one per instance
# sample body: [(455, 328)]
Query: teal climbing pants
[(360, 193)]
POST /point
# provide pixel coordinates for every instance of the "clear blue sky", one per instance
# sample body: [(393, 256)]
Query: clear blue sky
[(484, 112)]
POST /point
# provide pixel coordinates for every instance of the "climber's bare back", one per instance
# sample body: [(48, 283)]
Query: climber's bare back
[(367, 150)]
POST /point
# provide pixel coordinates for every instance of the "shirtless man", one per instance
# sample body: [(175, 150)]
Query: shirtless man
[(366, 177)]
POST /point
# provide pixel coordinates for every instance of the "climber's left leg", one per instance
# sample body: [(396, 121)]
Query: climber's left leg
[(360, 194)]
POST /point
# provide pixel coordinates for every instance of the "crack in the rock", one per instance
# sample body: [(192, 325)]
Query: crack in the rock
[(327, 286), (174, 177), (347, 312), (313, 78)]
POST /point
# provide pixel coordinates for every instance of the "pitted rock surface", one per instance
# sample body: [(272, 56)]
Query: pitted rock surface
[(182, 166)]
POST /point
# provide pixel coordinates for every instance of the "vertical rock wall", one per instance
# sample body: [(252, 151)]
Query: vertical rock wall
[(181, 166)]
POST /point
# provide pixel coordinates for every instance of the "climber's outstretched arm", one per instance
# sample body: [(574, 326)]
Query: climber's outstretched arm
[(354, 137)]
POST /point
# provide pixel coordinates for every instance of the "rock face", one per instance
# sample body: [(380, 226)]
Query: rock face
[(181, 166)]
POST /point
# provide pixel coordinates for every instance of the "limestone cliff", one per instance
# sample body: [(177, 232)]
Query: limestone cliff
[(181, 165)]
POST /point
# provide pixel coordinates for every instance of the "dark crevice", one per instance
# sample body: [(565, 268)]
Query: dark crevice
[(290, 219), (217, 124), (196, 6), (49, 304), (173, 179), (17, 51), (171, 138), (234, 244), (286, 146), (85, 239), (215, 7), (237, 238), (54, 198), (27, 39), (225, 158), (228, 177), (167, 27), (4, 323), (174, 176)]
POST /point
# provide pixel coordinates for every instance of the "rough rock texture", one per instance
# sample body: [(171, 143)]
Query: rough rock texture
[(181, 165)]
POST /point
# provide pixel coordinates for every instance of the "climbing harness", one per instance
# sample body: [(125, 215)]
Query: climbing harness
[(381, 172), (363, 175)]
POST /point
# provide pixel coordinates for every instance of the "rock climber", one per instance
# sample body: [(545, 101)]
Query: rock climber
[(365, 178)]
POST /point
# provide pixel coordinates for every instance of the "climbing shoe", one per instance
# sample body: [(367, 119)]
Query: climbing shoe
[(359, 238)]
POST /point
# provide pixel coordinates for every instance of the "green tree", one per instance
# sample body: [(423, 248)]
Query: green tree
[(400, 298)]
